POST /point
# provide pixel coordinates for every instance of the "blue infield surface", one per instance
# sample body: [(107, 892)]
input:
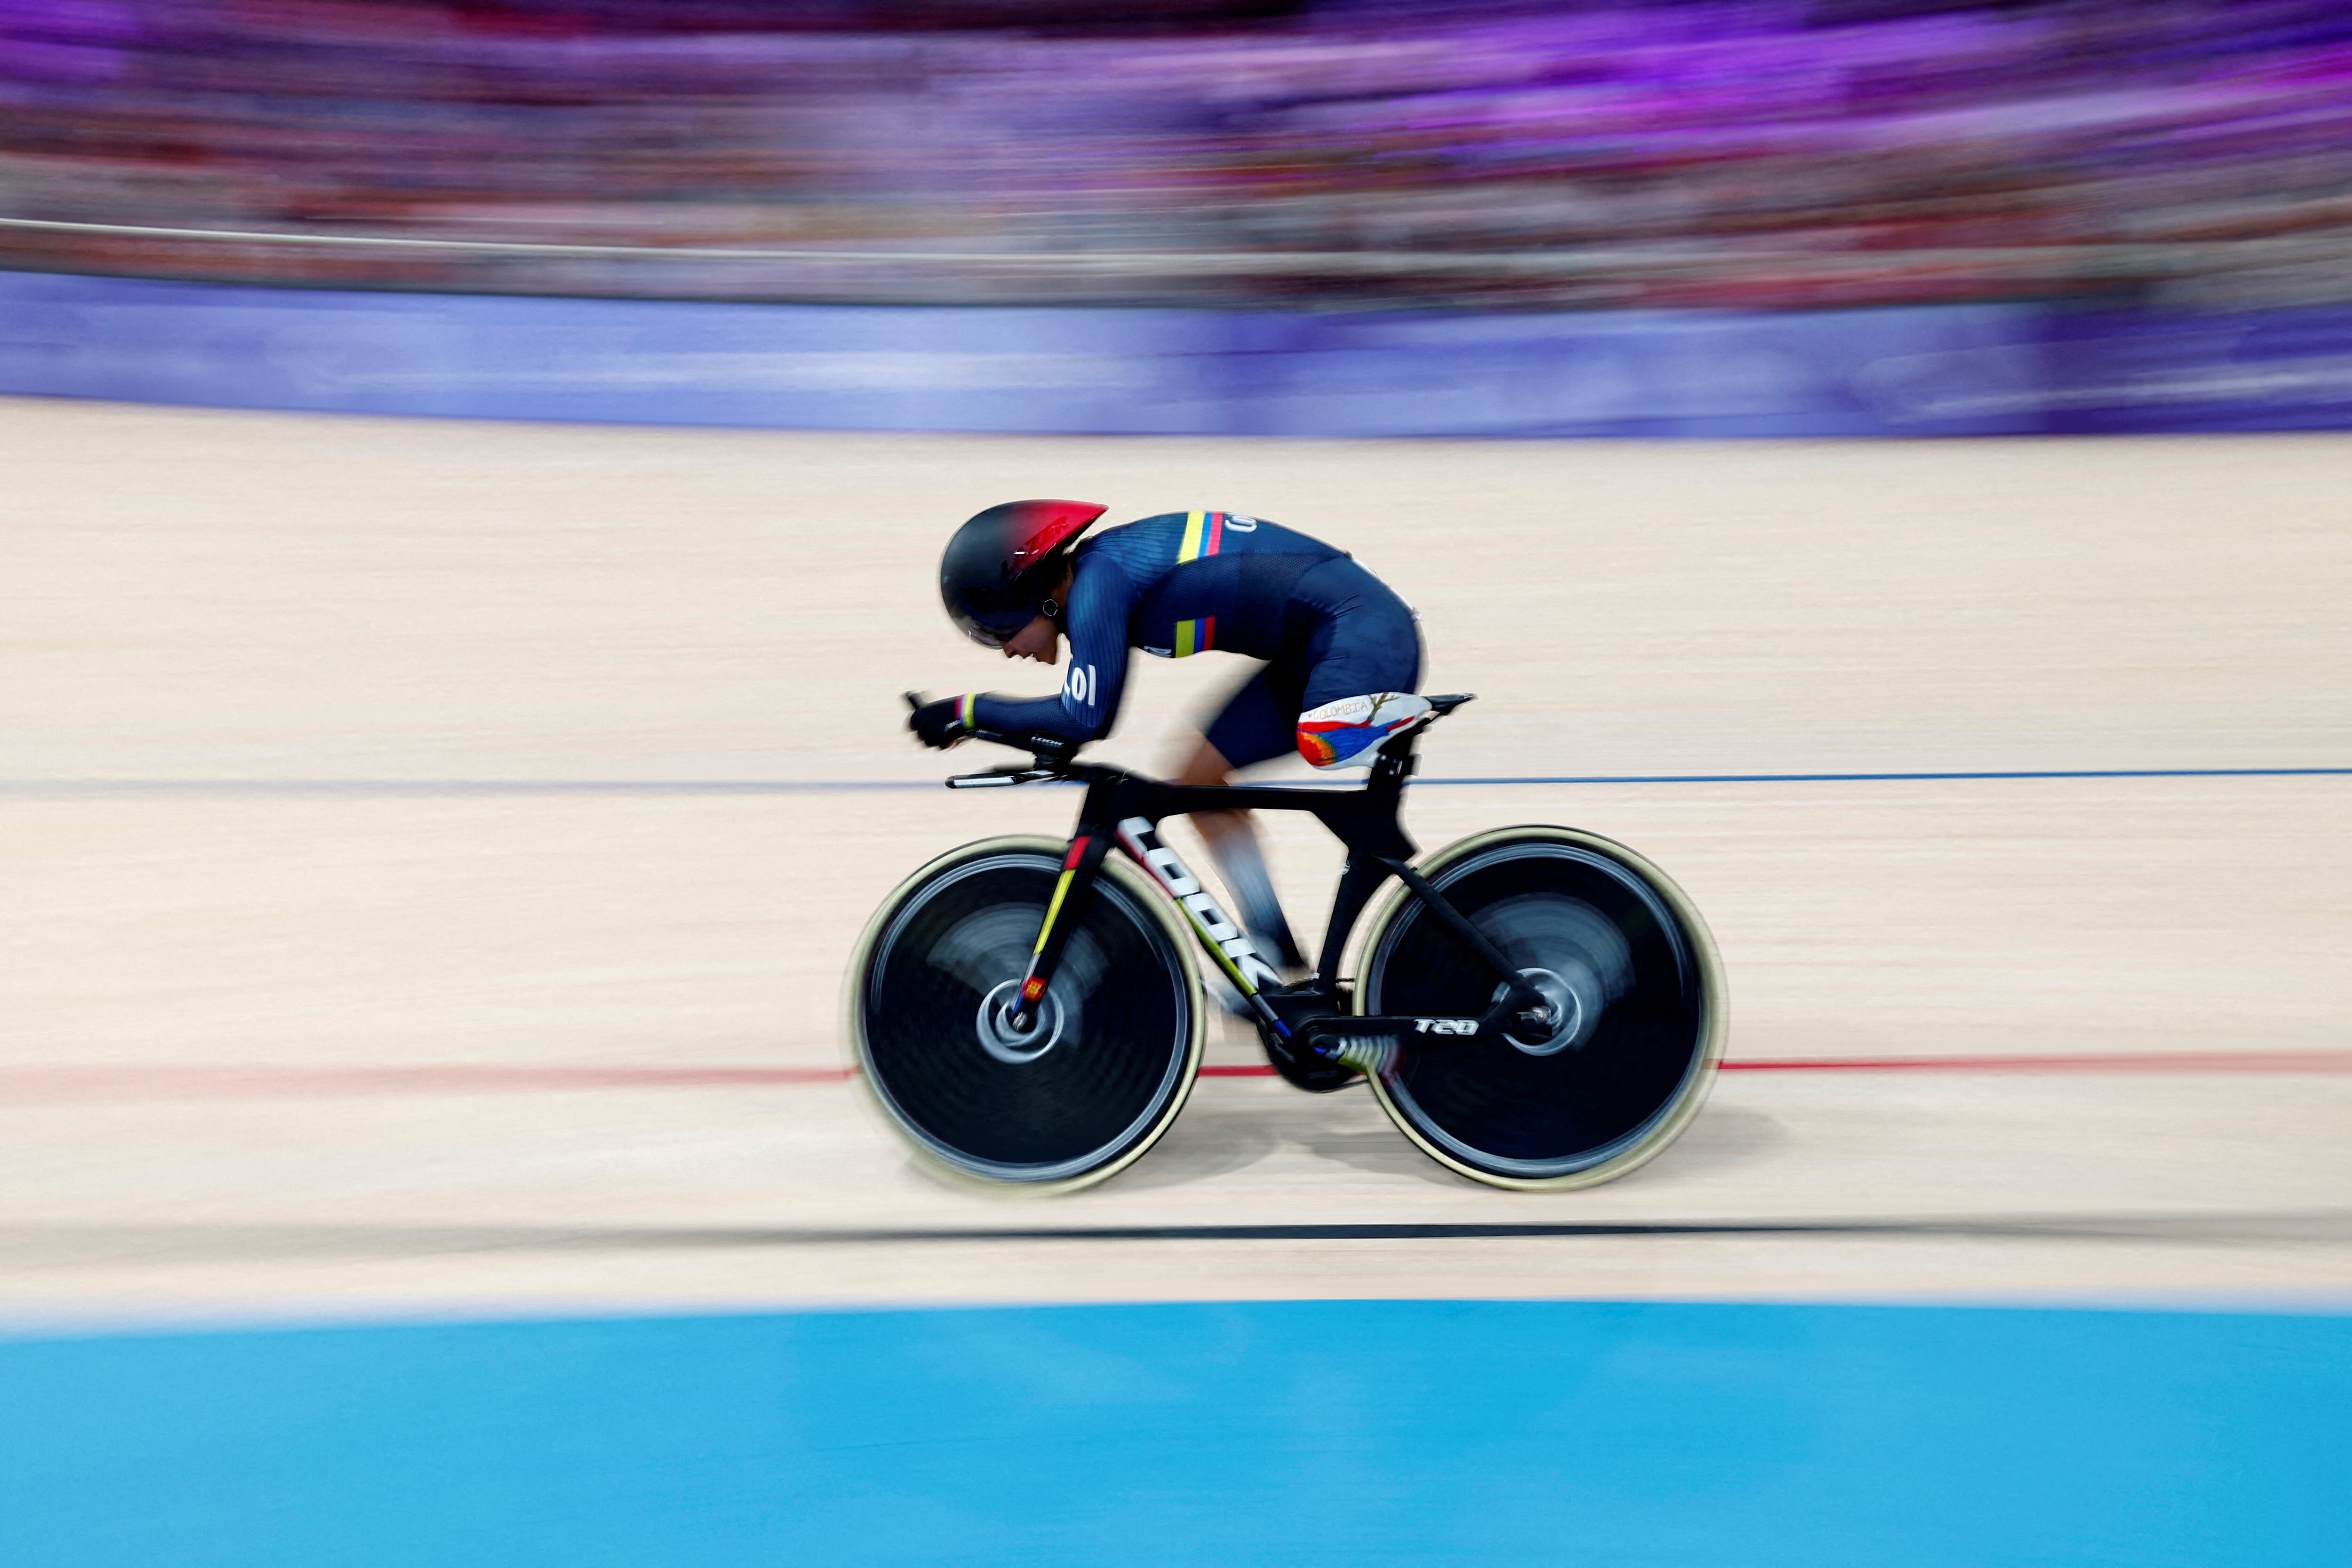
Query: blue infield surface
[(1488, 1433)]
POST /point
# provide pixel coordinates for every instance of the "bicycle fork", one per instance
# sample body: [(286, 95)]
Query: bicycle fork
[(1222, 936)]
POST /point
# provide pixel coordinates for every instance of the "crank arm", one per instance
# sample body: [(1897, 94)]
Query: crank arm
[(1401, 1025)]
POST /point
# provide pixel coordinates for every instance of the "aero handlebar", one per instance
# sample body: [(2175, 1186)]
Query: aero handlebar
[(1051, 754)]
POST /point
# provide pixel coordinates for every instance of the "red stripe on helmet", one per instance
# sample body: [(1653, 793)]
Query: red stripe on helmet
[(1053, 523)]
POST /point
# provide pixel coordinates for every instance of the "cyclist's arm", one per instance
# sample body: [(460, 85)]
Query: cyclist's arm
[(1096, 677)]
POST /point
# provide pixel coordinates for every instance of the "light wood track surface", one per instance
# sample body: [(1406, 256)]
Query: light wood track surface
[(311, 732)]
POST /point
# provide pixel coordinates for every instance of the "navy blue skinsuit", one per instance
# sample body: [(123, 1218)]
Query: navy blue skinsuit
[(1201, 581)]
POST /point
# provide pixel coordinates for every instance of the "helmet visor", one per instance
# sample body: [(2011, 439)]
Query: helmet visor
[(995, 629)]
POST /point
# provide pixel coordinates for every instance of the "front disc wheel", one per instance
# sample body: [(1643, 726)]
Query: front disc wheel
[(1105, 1060)]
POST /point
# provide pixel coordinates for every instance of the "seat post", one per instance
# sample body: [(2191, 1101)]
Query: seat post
[(1395, 766), (1360, 879)]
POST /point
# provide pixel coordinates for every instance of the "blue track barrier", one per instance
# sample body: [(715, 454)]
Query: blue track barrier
[(1168, 372), (1928, 371), (1485, 1433)]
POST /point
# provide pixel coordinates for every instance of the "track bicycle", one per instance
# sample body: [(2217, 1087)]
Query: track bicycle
[(1534, 1006)]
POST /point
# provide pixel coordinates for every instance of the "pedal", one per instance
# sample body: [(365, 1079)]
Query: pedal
[(1301, 1065), (1374, 1056), (1303, 1068)]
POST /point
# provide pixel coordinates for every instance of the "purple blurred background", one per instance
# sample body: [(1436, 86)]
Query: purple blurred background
[(1749, 153), (1724, 218)]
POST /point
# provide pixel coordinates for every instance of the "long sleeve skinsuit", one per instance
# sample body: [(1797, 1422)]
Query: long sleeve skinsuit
[(1203, 582)]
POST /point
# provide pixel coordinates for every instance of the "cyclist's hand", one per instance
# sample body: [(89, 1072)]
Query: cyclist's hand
[(939, 724)]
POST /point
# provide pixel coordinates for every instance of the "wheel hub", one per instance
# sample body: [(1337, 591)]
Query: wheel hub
[(999, 1037), (1566, 1025)]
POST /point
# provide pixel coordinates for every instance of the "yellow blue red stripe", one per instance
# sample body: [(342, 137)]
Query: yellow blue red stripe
[(1204, 535)]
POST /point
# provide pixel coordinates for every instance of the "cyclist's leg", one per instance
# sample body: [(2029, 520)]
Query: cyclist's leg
[(1256, 724), (1368, 663), (1367, 642)]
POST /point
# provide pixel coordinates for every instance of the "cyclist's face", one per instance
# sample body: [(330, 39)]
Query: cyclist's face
[(1038, 640)]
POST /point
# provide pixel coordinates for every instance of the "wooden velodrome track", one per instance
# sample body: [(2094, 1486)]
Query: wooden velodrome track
[(430, 851)]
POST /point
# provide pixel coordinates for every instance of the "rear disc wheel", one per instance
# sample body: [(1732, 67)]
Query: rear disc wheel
[(1108, 1056), (1632, 984)]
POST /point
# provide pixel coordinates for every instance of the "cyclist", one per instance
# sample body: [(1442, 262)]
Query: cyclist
[(1342, 652)]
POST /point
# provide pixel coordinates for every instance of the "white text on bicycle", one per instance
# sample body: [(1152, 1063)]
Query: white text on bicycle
[(1230, 939)]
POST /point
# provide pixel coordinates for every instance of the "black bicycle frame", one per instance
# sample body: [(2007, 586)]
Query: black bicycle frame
[(1125, 810)]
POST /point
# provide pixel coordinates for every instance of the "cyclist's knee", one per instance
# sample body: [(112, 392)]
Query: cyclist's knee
[(1343, 733)]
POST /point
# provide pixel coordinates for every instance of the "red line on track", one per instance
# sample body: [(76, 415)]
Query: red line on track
[(2127, 1061), (128, 1082)]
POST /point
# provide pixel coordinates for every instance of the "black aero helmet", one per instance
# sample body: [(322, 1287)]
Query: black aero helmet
[(995, 573)]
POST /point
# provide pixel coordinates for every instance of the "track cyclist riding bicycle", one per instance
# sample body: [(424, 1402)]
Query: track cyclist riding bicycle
[(1534, 1005), (1342, 652)]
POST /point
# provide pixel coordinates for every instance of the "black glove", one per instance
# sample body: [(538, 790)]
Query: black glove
[(938, 725)]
